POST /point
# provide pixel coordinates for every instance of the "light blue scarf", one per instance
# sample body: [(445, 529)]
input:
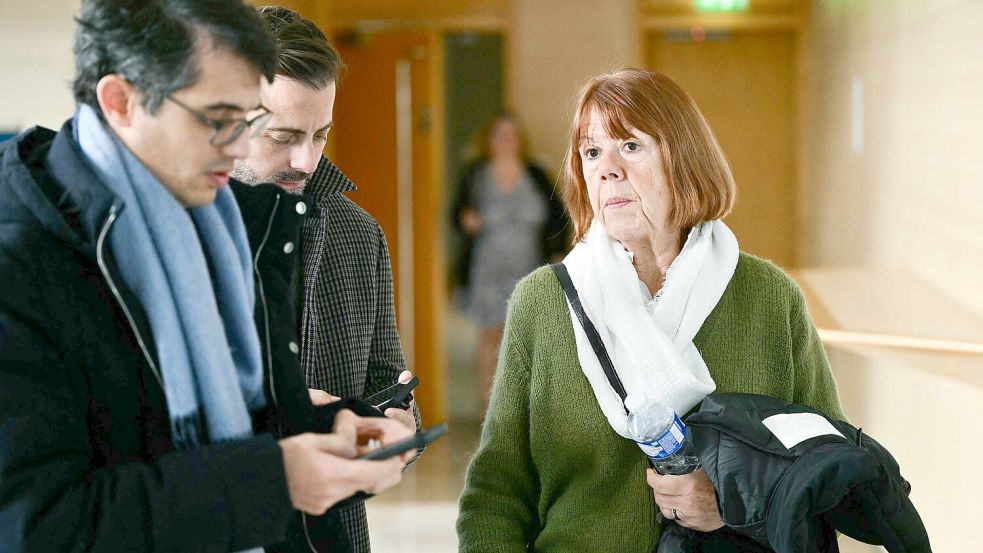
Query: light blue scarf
[(207, 344)]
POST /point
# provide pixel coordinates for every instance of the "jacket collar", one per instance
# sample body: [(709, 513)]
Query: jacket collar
[(84, 190), (57, 186), (327, 180)]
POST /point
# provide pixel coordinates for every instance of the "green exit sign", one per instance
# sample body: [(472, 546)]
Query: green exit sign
[(721, 5)]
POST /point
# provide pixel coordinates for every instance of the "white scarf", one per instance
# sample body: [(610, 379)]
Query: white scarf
[(651, 347)]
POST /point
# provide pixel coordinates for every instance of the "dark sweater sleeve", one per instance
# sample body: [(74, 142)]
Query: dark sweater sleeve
[(464, 198), (54, 496), (498, 507)]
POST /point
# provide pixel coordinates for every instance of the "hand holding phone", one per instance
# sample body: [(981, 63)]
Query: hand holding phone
[(418, 440), (398, 395)]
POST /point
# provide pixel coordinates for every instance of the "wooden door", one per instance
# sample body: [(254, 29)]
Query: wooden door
[(744, 83), (384, 138)]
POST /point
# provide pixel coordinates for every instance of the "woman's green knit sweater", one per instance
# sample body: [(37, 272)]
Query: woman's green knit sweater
[(550, 471)]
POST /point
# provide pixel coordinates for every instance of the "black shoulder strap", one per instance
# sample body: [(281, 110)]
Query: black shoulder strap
[(590, 330)]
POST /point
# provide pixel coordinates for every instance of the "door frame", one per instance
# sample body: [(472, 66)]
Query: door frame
[(430, 288)]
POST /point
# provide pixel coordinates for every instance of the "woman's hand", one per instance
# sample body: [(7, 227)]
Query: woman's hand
[(689, 499)]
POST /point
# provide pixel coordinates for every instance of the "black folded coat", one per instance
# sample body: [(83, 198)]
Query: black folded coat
[(774, 498)]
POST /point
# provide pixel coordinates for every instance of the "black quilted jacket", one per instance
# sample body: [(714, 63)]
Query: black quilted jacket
[(794, 499)]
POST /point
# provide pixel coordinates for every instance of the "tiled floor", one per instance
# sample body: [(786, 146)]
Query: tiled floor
[(419, 514), (413, 527)]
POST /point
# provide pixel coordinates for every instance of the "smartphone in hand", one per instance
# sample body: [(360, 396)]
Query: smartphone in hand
[(418, 440), (398, 395)]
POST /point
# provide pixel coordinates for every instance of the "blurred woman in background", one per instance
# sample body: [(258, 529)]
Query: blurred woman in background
[(512, 222)]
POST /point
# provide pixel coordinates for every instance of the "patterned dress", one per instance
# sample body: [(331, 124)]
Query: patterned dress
[(508, 245)]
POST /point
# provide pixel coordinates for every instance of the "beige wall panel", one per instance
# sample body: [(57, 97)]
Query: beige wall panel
[(36, 56), (919, 406), (744, 83), (912, 193), (893, 171), (556, 46)]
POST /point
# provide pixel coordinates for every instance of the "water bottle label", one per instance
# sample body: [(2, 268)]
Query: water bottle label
[(668, 443)]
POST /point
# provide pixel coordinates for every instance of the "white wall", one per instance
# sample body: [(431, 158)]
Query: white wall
[(36, 64)]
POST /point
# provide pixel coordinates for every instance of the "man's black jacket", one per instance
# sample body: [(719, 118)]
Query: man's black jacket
[(793, 499), (86, 458), (274, 221)]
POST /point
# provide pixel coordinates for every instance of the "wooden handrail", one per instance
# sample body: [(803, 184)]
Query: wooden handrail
[(848, 337), (888, 308)]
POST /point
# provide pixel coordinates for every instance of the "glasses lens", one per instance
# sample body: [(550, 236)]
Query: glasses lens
[(230, 132), (259, 123), (227, 133)]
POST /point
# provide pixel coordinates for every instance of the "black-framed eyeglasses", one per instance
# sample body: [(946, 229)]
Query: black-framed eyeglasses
[(227, 131)]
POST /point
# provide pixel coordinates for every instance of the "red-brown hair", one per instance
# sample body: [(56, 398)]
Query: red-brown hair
[(700, 181)]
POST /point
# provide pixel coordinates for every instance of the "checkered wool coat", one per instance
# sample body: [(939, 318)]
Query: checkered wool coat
[(349, 343)]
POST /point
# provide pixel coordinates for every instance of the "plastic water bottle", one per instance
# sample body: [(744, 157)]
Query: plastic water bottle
[(661, 435)]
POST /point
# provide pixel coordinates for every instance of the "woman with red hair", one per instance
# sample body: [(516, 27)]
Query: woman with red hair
[(681, 310)]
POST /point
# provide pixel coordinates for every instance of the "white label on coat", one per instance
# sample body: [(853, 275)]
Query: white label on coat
[(794, 428)]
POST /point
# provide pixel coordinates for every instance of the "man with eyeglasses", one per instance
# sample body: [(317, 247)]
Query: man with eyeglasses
[(142, 407)]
